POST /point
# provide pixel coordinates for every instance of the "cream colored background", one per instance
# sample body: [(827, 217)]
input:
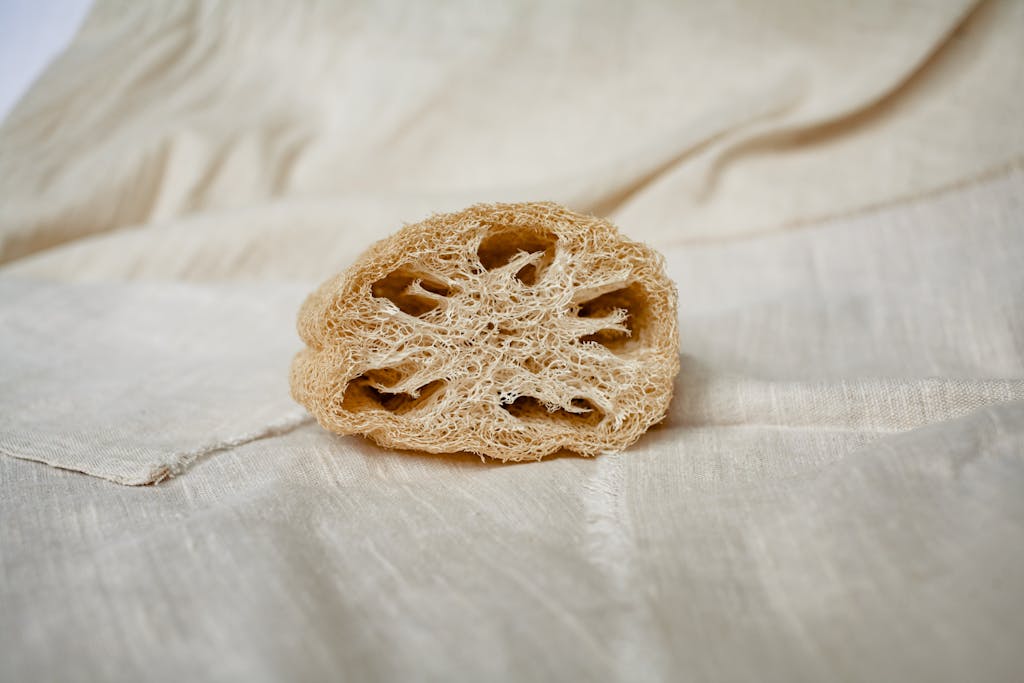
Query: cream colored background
[(835, 494)]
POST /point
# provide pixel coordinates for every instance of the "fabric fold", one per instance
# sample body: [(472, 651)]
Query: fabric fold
[(133, 383), (223, 107)]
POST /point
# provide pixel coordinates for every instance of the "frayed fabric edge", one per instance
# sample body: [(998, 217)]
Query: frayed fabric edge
[(182, 461), (179, 462)]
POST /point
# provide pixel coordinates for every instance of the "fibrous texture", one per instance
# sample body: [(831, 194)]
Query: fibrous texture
[(508, 330)]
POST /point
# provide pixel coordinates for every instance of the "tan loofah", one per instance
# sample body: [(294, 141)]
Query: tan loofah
[(508, 330)]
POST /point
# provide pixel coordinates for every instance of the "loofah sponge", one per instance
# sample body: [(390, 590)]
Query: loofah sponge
[(507, 330)]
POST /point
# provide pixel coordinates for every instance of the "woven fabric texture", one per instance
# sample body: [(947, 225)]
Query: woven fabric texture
[(838, 192)]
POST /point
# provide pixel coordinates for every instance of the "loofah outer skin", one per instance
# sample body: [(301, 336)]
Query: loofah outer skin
[(507, 330)]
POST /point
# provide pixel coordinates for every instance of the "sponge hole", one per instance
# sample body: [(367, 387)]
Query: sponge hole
[(400, 289), (504, 243), (632, 300), (361, 395), (528, 275), (529, 408)]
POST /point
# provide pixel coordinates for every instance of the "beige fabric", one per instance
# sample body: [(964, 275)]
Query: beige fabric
[(134, 383), (221, 107), (834, 495), (747, 553)]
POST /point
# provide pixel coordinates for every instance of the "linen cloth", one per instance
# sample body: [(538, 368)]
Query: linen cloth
[(134, 383), (834, 495)]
